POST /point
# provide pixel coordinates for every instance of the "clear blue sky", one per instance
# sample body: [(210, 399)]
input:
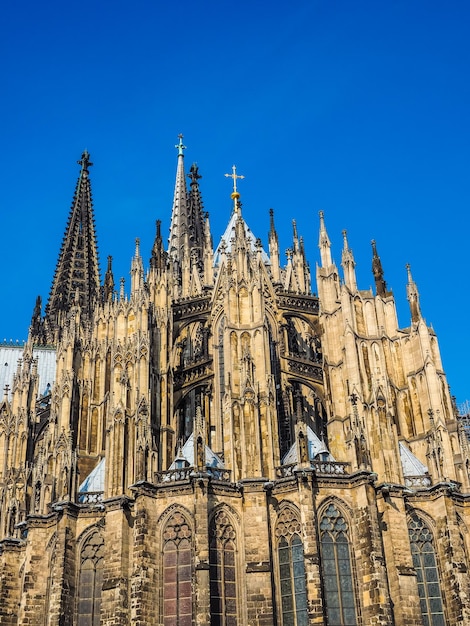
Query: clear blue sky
[(359, 108)]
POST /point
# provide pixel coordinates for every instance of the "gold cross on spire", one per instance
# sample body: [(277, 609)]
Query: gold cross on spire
[(234, 177), (180, 145), (234, 195)]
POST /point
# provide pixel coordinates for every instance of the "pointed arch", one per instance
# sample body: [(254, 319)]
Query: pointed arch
[(223, 568), (337, 566), (291, 568), (177, 569), (425, 562), (90, 579)]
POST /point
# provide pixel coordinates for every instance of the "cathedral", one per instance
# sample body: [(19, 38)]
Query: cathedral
[(220, 446)]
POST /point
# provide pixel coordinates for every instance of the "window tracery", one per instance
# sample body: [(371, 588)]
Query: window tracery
[(222, 567), (177, 572), (339, 597), (292, 585), (90, 581), (425, 563)]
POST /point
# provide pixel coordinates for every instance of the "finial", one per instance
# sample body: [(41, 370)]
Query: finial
[(380, 284), (408, 271), (85, 161), (110, 263), (345, 239), (271, 221), (235, 195), (413, 296), (194, 174), (137, 247), (181, 147)]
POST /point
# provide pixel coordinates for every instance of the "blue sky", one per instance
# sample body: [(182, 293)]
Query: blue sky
[(357, 108)]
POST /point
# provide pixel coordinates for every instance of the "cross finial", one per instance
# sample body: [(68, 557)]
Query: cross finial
[(85, 161), (235, 195), (234, 177), (180, 145)]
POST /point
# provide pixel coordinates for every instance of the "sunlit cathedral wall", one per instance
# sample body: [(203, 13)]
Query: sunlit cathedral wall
[(221, 447)]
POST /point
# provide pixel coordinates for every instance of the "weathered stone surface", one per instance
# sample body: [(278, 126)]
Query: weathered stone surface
[(248, 446)]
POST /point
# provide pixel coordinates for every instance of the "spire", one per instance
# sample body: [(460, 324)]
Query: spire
[(235, 195), (272, 228), (413, 296), (348, 263), (137, 269), (37, 324), (196, 217), (324, 243), (178, 227), (274, 249), (77, 270), (109, 281), (380, 284), (299, 262), (157, 260)]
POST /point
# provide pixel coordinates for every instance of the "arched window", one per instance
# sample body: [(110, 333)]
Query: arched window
[(90, 581), (292, 585), (177, 572), (338, 586), (223, 576), (424, 561)]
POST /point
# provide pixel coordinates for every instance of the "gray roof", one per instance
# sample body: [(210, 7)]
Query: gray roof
[(95, 480), (9, 355), (229, 235), (315, 447), (187, 453), (412, 466)]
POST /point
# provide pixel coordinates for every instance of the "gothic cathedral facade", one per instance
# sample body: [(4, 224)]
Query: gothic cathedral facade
[(222, 447)]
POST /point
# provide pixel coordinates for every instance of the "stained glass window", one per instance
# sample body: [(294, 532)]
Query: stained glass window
[(177, 572), (424, 561), (338, 585), (293, 591), (223, 575), (90, 581)]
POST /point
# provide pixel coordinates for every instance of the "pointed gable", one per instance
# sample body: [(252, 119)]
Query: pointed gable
[(227, 238)]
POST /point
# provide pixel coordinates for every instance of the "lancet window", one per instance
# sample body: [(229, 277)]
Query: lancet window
[(90, 581), (292, 585), (425, 563), (177, 572), (339, 596), (223, 574)]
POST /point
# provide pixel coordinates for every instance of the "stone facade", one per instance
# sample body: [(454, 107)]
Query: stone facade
[(222, 447)]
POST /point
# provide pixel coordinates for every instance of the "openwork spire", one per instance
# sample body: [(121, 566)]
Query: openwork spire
[(195, 212), (77, 273)]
